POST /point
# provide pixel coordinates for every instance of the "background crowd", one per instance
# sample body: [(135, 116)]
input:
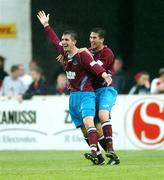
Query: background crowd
[(22, 85)]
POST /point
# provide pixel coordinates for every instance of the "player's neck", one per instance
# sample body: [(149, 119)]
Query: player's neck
[(73, 51), (99, 48)]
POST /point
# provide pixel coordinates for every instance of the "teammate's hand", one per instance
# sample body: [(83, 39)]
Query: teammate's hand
[(107, 78), (43, 18), (84, 49), (60, 59)]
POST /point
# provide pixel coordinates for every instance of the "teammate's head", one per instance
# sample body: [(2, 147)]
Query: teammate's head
[(97, 38), (68, 40)]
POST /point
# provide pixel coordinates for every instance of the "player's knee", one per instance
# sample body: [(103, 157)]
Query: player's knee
[(88, 122), (104, 115)]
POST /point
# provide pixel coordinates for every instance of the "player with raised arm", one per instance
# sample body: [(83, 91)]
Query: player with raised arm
[(105, 96), (78, 66)]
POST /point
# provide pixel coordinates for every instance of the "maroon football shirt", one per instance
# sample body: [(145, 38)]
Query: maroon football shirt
[(79, 67), (104, 58)]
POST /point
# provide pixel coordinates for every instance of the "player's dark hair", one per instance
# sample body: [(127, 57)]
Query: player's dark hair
[(100, 31), (72, 33), (14, 68)]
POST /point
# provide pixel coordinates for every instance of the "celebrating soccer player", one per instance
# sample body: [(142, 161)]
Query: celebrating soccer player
[(105, 95), (78, 66)]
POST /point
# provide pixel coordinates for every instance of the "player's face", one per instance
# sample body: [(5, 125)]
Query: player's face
[(67, 42), (95, 40)]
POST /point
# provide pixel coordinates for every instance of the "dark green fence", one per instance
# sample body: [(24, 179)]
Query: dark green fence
[(135, 30)]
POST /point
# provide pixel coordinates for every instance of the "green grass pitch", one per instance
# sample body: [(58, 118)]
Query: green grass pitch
[(71, 165)]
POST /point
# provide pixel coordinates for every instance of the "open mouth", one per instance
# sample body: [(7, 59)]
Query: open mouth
[(93, 45), (65, 46)]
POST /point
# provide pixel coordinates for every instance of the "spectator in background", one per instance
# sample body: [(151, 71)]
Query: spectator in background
[(25, 78), (142, 85), (61, 85), (121, 79), (11, 85), (33, 65), (3, 74), (37, 87), (157, 85)]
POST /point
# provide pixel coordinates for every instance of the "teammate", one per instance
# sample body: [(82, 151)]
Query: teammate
[(78, 66), (105, 95)]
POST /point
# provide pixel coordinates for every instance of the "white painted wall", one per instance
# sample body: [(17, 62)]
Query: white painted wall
[(16, 50)]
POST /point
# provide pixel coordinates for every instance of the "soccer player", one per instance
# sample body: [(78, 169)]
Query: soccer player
[(78, 66), (105, 95)]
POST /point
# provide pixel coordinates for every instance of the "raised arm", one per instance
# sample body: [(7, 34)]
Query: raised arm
[(52, 36)]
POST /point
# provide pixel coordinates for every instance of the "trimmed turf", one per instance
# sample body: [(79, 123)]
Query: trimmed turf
[(70, 165)]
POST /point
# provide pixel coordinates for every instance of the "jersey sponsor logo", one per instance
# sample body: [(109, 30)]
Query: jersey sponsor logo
[(144, 123), (71, 75)]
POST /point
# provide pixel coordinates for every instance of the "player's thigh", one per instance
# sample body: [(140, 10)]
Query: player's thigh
[(74, 109), (107, 98), (88, 104)]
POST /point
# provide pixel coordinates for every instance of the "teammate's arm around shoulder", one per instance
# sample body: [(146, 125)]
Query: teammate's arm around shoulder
[(89, 64)]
